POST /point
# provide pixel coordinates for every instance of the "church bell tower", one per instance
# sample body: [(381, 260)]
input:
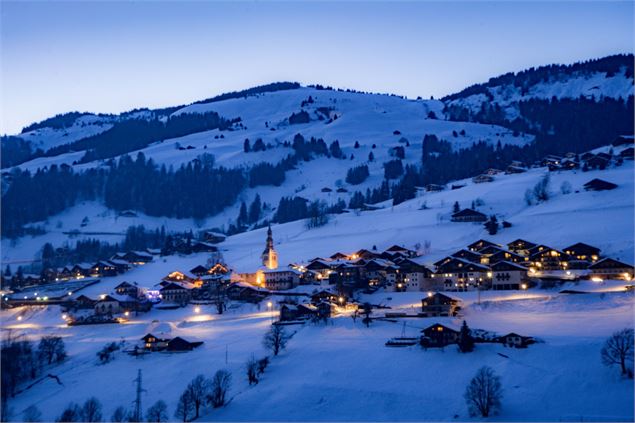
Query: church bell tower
[(269, 255)]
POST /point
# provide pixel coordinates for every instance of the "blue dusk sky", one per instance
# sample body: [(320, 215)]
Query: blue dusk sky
[(114, 56)]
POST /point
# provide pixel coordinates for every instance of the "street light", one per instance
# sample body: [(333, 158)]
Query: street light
[(197, 309), (270, 305)]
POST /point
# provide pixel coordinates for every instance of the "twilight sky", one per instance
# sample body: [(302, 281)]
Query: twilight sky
[(114, 56)]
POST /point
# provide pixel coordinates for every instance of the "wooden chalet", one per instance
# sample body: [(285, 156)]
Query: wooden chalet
[(520, 246), (244, 292), (107, 305), (468, 215), (609, 268), (154, 343), (178, 276), (81, 270), (513, 340), (624, 140), (175, 293), (137, 257), (438, 336), (582, 251), (434, 187), (437, 304), (599, 185), (281, 279), (103, 268), (213, 237), (468, 255), (179, 344), (547, 258), (297, 312), (628, 153), (120, 265), (511, 169), (199, 270), (84, 302), (480, 179), (203, 247), (480, 244), (127, 288), (459, 274), (508, 275)]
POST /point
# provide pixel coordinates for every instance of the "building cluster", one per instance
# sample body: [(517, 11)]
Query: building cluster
[(439, 336), (200, 283)]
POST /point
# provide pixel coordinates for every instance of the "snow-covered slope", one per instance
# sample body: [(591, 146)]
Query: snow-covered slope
[(596, 85)]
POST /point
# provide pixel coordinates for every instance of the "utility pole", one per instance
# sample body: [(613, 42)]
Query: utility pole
[(225, 353), (137, 403)]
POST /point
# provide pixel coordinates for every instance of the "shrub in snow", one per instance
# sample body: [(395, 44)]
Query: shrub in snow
[(541, 189), (119, 415), (484, 392), (158, 412), (220, 385), (72, 413), (618, 350), (91, 410), (565, 188), (185, 407), (198, 390), (262, 365), (106, 354), (252, 371), (51, 349), (276, 339)]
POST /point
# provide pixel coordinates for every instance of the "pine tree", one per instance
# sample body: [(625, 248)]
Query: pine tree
[(456, 208), (246, 146), (255, 209), (371, 156), (242, 215), (465, 341)]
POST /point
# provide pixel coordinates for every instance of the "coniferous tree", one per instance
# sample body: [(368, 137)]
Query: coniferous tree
[(465, 341)]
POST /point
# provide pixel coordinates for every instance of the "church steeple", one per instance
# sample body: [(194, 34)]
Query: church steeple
[(269, 255)]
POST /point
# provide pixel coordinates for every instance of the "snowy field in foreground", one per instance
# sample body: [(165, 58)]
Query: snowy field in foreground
[(343, 371)]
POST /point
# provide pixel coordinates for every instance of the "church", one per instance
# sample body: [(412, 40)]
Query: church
[(268, 275)]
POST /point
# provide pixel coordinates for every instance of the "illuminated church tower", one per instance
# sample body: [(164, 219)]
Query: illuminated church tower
[(269, 256)]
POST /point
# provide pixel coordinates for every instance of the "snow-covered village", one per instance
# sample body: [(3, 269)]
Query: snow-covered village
[(201, 243)]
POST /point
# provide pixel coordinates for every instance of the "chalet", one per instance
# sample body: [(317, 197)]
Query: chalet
[(328, 296), (586, 156), (120, 265), (321, 266), (605, 156), (480, 244), (153, 343), (468, 255), (492, 171), (521, 247), (569, 164), (29, 279), (327, 189), (339, 256), (460, 274), (624, 140), (179, 344), (596, 162), (64, 273), (513, 340), (435, 305), (240, 291), (599, 185), (175, 293), (457, 186), (549, 259), (297, 312), (551, 160), (107, 305), (416, 277), (126, 288), (434, 188), (103, 268), (137, 257), (582, 251), (84, 302), (480, 179), (341, 190), (508, 275), (348, 276), (81, 270), (468, 215), (203, 247), (363, 254), (514, 169), (213, 237), (609, 268), (178, 276), (396, 249), (281, 279), (438, 336), (199, 270), (153, 251), (377, 269), (502, 255)]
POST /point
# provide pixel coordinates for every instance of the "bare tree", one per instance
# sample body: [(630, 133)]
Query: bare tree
[(276, 339), (220, 385), (51, 349), (262, 365), (198, 389), (31, 414), (91, 410), (483, 394), (72, 413), (618, 350), (252, 371), (158, 412), (185, 407), (119, 415)]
